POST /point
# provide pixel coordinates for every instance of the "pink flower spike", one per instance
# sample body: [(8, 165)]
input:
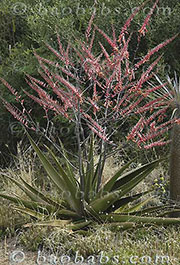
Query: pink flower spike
[(128, 22), (139, 124), (158, 143), (109, 40), (88, 30), (154, 50), (11, 89), (102, 136), (61, 50), (143, 29), (70, 86)]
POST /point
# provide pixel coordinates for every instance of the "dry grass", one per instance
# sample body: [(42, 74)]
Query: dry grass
[(150, 245)]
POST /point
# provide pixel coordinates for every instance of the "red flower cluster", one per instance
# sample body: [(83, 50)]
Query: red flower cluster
[(102, 88)]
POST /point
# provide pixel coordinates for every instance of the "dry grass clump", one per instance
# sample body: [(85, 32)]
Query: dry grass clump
[(160, 245)]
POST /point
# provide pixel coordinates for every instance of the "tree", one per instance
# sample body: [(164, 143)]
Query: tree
[(172, 90)]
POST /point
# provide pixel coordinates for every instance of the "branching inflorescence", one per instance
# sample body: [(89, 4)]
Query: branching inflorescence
[(102, 88)]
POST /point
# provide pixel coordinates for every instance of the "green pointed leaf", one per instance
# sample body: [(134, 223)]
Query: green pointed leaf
[(16, 200), (67, 214), (29, 204), (110, 183), (31, 195), (102, 204), (169, 212), (29, 212), (66, 159), (133, 173), (136, 180), (52, 223), (121, 204), (138, 206), (40, 195), (61, 170), (138, 219), (79, 225), (152, 209), (61, 181), (59, 223), (91, 213)]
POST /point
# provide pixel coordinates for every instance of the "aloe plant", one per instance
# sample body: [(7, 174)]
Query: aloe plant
[(175, 145), (78, 208), (97, 90), (171, 88)]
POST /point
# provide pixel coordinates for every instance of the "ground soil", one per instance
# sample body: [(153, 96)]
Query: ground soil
[(12, 255)]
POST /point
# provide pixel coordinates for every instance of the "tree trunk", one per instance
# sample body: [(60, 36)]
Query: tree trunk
[(175, 168)]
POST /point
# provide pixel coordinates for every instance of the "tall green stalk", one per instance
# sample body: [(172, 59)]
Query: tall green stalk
[(172, 90), (175, 165)]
